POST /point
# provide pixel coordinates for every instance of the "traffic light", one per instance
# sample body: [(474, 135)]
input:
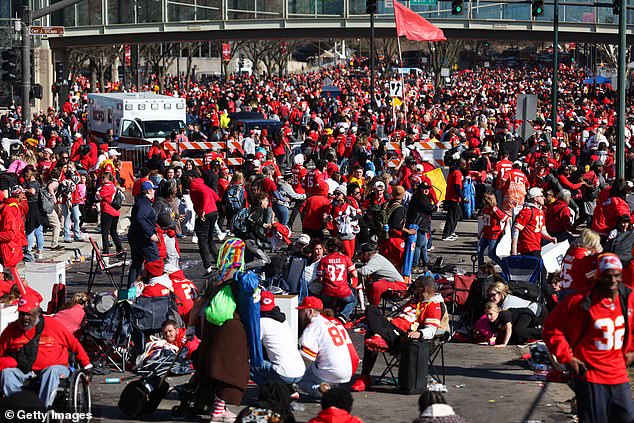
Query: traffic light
[(9, 65), (616, 7), (456, 7), (36, 91), (370, 6), (59, 71), (240, 62), (538, 7)]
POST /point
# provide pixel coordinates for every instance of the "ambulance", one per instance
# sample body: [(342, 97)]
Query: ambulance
[(135, 118)]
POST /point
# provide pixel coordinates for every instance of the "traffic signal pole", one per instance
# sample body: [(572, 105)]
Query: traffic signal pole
[(555, 73), (27, 17)]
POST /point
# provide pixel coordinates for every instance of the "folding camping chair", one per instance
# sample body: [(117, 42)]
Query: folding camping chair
[(97, 264), (527, 269), (295, 277)]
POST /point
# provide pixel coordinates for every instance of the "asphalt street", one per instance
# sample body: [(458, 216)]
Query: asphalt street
[(483, 383)]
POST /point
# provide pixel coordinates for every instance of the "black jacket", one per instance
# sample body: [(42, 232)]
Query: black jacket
[(164, 213), (420, 210)]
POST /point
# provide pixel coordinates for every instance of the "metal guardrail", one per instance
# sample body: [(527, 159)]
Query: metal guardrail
[(137, 154)]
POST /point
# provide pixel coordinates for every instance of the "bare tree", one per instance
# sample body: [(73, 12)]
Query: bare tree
[(190, 48), (101, 59), (281, 59), (443, 54), (257, 51), (77, 59), (160, 57), (235, 46), (610, 53), (388, 48)]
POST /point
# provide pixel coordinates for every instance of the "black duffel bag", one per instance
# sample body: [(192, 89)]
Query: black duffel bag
[(143, 396), (413, 366)]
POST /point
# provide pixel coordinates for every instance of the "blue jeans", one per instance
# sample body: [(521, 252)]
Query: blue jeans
[(342, 306), (74, 214), (491, 244), (36, 237), (421, 248), (310, 383), (13, 379), (266, 374), (281, 212)]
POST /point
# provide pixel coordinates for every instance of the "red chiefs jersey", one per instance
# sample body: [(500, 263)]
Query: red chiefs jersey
[(492, 219), (501, 168), (595, 336), (335, 269), (530, 222), (299, 173), (515, 176), (312, 181), (185, 292), (578, 269), (159, 286), (425, 313)]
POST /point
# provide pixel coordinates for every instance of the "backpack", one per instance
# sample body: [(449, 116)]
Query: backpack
[(383, 219), (621, 245), (240, 222), (47, 202), (117, 199), (525, 290), (234, 199)]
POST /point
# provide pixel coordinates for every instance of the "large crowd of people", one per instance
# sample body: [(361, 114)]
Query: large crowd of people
[(344, 186)]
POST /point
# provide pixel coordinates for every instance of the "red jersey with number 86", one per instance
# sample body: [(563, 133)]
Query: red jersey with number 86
[(334, 269), (530, 222)]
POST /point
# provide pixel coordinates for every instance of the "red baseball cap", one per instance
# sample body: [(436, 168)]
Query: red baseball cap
[(154, 268), (267, 301), (311, 302), (283, 231), (28, 302)]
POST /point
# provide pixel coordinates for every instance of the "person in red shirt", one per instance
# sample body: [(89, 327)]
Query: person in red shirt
[(501, 167), (316, 207), (337, 274), (204, 200), (420, 318), (492, 220), (12, 234), (609, 210), (578, 269), (144, 174), (53, 344), (559, 219), (314, 178), (453, 198), (109, 215), (529, 228), (514, 187), (185, 291), (176, 336), (590, 333)]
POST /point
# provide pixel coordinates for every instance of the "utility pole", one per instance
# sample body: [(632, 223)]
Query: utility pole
[(555, 71), (621, 71), (372, 54)]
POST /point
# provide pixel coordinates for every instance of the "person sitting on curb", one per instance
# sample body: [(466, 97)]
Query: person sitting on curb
[(379, 273), (420, 318), (325, 344)]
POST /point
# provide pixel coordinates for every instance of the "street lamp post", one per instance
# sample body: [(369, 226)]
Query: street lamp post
[(621, 72), (372, 60), (555, 70)]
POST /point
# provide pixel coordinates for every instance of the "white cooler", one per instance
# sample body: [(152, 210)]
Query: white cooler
[(288, 305), (42, 275)]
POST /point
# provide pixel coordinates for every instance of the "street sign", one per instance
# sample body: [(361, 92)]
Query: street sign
[(526, 130), (46, 30), (396, 89), (446, 72), (418, 2), (526, 107)]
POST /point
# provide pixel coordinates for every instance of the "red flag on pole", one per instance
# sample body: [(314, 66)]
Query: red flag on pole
[(414, 27)]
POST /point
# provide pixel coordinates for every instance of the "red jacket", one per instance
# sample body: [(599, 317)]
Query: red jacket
[(12, 234), (203, 197), (335, 415), (607, 213), (557, 217), (106, 192), (54, 345), (594, 335)]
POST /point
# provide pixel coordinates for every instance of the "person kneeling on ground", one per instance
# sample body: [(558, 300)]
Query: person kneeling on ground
[(40, 345), (516, 325), (336, 406), (420, 318), (326, 345), (284, 362), (434, 408), (380, 274)]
